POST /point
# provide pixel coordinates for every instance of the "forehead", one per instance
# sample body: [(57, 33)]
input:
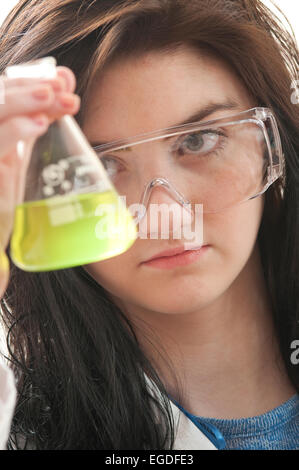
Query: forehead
[(157, 91)]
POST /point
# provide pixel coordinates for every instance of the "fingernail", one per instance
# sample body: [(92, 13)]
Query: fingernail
[(59, 84), (67, 100)]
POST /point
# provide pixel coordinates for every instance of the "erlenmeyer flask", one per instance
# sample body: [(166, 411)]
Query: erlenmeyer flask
[(70, 213)]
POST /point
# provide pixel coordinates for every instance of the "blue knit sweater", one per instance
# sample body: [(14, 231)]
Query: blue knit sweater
[(276, 429)]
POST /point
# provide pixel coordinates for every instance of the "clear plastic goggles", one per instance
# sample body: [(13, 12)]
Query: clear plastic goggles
[(218, 163)]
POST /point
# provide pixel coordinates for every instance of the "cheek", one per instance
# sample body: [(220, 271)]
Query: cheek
[(234, 234), (114, 274), (129, 287)]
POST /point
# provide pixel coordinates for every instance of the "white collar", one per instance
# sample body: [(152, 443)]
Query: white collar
[(187, 435)]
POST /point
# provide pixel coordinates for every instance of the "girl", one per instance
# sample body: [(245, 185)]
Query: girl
[(124, 353)]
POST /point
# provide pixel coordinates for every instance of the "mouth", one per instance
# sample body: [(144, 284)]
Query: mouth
[(179, 256)]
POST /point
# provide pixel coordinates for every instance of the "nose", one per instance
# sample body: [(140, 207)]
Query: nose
[(164, 210)]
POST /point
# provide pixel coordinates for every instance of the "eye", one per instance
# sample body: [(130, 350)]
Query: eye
[(111, 165), (203, 142)]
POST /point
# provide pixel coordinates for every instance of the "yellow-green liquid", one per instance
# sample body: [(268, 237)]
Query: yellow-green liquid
[(66, 231)]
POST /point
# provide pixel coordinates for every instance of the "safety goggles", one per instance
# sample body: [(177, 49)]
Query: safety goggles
[(218, 163)]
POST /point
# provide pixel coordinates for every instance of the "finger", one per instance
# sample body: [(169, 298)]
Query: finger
[(68, 75), (23, 100), (65, 103), (30, 100), (58, 83), (20, 128)]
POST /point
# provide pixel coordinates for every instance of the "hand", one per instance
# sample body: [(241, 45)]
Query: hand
[(30, 105)]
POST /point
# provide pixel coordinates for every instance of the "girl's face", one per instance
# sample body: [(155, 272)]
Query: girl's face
[(155, 92)]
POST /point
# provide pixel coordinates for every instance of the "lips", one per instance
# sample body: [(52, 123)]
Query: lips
[(174, 251)]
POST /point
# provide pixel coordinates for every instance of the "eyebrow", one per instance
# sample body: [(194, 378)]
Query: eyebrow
[(197, 116)]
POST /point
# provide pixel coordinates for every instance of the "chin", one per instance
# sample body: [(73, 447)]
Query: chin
[(177, 306)]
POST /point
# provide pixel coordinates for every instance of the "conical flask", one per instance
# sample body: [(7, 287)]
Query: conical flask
[(70, 213)]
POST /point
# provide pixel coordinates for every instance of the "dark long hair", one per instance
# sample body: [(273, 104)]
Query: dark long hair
[(76, 357)]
